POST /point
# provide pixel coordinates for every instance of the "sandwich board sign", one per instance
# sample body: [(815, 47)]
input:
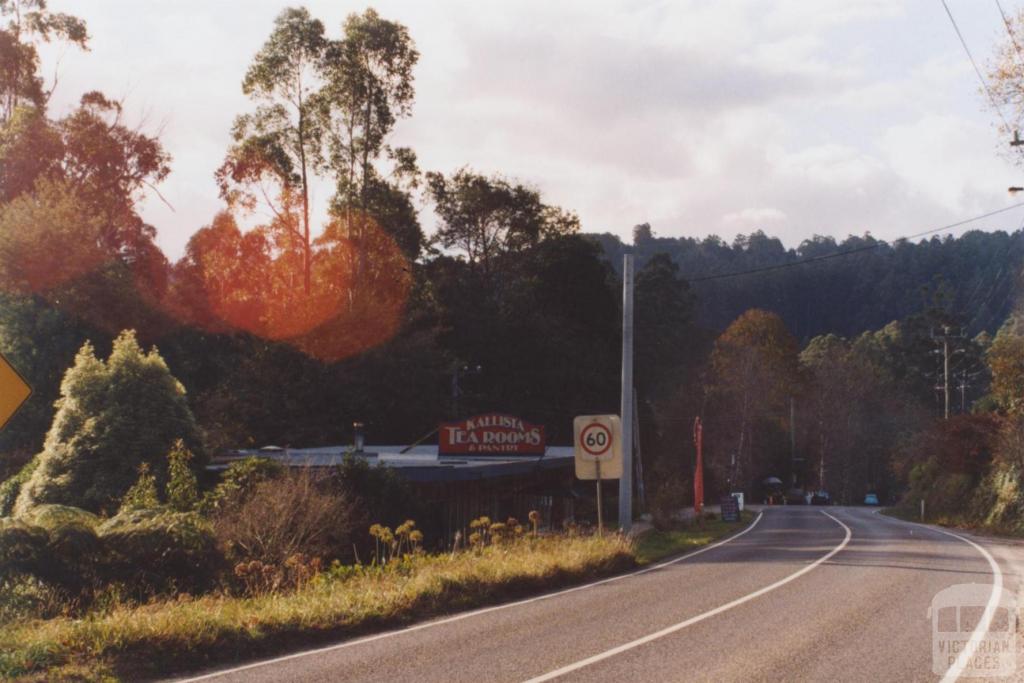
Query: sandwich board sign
[(598, 448)]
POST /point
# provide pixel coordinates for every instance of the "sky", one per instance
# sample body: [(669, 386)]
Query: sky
[(831, 117)]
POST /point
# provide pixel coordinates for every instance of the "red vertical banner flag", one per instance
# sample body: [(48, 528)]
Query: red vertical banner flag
[(698, 474)]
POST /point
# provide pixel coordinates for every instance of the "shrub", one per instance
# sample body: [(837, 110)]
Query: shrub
[(10, 489), (182, 491), (51, 517), (67, 555), (155, 551), (291, 515), (22, 549), (668, 498), (142, 495), (75, 559), (380, 495), (238, 482), (27, 598), (112, 416)]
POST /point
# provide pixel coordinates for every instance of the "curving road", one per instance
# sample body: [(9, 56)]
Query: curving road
[(839, 594)]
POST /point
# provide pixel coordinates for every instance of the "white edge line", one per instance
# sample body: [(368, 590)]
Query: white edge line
[(473, 613), (956, 670), (575, 666)]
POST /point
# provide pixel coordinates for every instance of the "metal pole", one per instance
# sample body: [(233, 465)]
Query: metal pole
[(945, 365), (792, 439), (626, 406), (600, 514), (641, 493)]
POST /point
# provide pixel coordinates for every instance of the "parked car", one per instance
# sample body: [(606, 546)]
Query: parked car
[(795, 497), (871, 499), (821, 498)]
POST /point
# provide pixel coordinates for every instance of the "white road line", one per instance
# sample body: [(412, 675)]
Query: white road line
[(467, 615), (575, 666), (957, 669)]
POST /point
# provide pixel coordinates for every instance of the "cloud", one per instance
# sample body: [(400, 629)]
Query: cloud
[(759, 217), (830, 117)]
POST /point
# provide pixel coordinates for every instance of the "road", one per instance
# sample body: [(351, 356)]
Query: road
[(837, 594)]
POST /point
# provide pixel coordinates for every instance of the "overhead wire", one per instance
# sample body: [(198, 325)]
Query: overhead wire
[(977, 70)]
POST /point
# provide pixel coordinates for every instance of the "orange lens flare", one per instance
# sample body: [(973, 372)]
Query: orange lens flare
[(342, 297)]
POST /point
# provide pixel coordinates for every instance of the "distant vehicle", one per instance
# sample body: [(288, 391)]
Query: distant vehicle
[(871, 499), (796, 497), (821, 498)]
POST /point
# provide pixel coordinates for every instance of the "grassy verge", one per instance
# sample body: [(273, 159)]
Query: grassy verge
[(961, 523), (139, 641), (654, 545)]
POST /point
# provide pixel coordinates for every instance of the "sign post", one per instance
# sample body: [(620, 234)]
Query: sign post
[(598, 445), (14, 391)]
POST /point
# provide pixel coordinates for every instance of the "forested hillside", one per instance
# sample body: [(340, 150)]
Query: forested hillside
[(974, 276)]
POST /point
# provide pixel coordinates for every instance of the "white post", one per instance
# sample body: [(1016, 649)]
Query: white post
[(626, 481)]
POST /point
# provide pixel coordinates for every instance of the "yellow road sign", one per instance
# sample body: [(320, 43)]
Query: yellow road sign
[(14, 390)]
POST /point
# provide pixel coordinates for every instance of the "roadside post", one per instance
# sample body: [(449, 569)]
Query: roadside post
[(598, 449)]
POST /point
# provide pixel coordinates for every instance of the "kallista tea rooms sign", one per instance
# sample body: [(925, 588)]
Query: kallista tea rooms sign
[(491, 434)]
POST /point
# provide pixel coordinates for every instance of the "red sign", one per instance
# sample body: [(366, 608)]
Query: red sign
[(492, 434)]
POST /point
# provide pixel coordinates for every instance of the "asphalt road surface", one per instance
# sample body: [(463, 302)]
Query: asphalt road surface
[(806, 593)]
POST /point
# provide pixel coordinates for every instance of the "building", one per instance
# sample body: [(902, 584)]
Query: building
[(494, 465)]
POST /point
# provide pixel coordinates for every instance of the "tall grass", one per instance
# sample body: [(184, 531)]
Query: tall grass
[(130, 641)]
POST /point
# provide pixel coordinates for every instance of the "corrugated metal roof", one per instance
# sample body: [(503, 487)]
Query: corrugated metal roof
[(420, 463)]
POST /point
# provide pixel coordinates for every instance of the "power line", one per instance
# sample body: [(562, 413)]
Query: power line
[(981, 78), (857, 250)]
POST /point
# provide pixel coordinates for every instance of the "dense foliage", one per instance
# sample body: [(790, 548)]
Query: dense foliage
[(112, 417), (975, 274)]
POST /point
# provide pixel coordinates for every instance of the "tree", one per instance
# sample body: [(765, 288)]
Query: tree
[(487, 217), (32, 224), (41, 341), (111, 417), (1006, 361), (369, 86), (664, 323), (110, 165), (29, 22), (754, 368), (76, 182), (851, 418), (281, 142), (1006, 75)]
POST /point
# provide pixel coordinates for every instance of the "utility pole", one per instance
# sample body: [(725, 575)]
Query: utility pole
[(944, 340), (792, 439), (945, 372), (963, 391), (626, 406)]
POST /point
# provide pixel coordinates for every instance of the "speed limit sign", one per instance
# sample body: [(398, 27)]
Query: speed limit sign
[(598, 439)]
